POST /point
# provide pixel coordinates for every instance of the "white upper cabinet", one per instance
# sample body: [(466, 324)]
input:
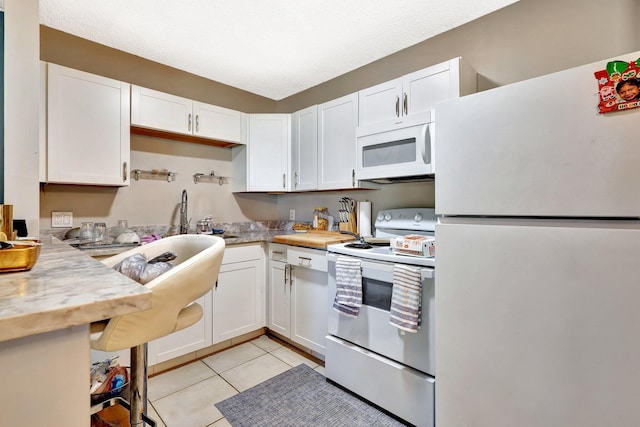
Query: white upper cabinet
[(216, 122), (304, 149), (410, 98), (161, 111), (337, 121), (269, 142), (380, 103), (87, 128)]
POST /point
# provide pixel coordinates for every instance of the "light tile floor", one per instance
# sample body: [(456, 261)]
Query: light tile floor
[(186, 396)]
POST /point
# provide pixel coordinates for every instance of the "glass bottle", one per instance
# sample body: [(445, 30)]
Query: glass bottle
[(321, 218)]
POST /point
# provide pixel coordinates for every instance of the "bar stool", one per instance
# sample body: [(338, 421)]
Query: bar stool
[(173, 308)]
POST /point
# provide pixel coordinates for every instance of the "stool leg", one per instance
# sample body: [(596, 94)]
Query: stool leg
[(138, 384)]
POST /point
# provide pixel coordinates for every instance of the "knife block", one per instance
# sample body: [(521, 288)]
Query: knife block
[(350, 226)]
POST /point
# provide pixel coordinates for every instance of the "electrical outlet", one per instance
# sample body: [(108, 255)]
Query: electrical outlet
[(61, 219), (292, 214)]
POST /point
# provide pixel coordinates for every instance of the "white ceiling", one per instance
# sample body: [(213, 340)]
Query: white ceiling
[(273, 48)]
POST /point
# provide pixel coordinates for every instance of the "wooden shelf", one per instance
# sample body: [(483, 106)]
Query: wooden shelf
[(135, 130)]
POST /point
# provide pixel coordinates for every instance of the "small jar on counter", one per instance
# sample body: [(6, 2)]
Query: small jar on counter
[(321, 218)]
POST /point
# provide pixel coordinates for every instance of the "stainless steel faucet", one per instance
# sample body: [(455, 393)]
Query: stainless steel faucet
[(184, 222)]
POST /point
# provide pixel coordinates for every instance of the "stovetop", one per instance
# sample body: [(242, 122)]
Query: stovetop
[(381, 253), (395, 223)]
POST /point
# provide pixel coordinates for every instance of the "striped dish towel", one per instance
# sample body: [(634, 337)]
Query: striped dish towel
[(348, 298), (406, 298)]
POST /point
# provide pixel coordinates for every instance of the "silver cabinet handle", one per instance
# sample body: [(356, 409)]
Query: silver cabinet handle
[(198, 122), (405, 105), (290, 275), (189, 123), (124, 172), (304, 258), (277, 252), (353, 177), (284, 180), (397, 106), (286, 270), (295, 179)]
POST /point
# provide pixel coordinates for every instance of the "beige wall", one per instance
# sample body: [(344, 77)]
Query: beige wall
[(527, 39), (65, 49), (153, 201)]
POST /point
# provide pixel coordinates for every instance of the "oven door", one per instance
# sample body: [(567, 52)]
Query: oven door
[(371, 328)]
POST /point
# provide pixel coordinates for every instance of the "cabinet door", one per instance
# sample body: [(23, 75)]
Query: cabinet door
[(279, 298), (218, 123), (238, 300), (269, 143), (309, 308), (88, 128), (157, 110), (195, 337), (380, 103), (304, 149), (425, 88), (337, 121)]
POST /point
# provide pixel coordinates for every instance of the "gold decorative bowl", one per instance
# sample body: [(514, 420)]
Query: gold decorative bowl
[(21, 257)]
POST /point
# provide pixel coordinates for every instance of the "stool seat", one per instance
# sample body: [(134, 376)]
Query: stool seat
[(173, 306)]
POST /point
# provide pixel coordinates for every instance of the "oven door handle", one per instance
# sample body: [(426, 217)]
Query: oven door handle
[(381, 270)]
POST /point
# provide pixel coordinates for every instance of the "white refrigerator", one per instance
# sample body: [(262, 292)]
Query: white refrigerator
[(538, 257)]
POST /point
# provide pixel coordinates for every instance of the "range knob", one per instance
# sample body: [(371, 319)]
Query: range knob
[(418, 217), (387, 217), (380, 217)]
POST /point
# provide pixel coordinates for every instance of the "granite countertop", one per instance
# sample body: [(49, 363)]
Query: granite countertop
[(65, 288), (240, 237)]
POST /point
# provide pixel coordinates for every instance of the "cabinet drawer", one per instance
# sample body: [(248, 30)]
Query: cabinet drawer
[(314, 259), (278, 252), (239, 253)]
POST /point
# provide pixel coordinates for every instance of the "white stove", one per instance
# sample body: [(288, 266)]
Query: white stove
[(357, 346), (394, 223)]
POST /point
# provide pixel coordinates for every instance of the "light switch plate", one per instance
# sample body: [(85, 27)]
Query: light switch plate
[(61, 219)]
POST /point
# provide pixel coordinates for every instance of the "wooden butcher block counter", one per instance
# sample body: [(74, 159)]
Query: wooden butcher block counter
[(313, 239)]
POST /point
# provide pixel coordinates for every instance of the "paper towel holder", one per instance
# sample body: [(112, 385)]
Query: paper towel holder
[(364, 218)]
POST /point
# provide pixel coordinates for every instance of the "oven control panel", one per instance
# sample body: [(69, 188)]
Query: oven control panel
[(410, 219)]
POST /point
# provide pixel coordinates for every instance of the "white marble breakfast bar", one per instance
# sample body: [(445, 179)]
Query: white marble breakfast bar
[(44, 333)]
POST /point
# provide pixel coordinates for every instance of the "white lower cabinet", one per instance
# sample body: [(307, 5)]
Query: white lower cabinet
[(309, 308), (298, 295), (235, 305), (279, 291), (185, 341), (239, 296)]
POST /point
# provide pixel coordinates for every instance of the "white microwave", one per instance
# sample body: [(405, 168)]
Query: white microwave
[(396, 154)]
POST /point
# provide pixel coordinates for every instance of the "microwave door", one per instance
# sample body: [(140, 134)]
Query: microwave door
[(402, 152)]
